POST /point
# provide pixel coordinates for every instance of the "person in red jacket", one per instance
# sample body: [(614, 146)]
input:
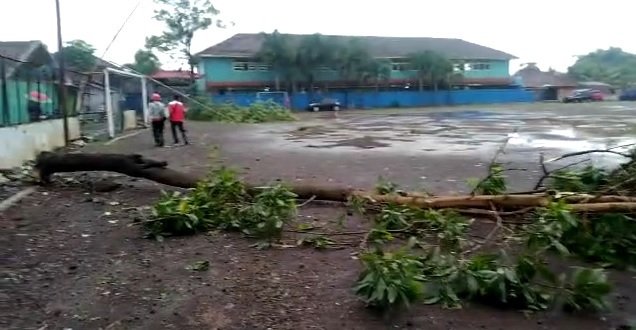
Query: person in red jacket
[(176, 111)]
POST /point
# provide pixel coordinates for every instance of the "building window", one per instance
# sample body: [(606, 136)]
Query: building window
[(479, 66), (250, 66), (460, 67), (241, 66), (399, 66)]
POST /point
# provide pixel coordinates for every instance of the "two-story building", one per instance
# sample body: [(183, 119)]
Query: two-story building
[(231, 64)]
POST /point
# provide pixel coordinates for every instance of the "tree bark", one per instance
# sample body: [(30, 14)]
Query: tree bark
[(48, 163)]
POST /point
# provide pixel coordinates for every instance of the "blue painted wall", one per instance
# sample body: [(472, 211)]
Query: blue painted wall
[(218, 69), (394, 99)]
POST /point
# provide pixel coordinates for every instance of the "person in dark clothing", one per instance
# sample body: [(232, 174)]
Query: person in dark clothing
[(157, 111), (176, 113)]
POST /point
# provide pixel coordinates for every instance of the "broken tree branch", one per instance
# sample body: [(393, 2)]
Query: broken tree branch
[(547, 174), (493, 162), (585, 152), (138, 166)]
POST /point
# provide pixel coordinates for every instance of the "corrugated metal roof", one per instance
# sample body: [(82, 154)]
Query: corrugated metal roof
[(248, 44), (18, 53)]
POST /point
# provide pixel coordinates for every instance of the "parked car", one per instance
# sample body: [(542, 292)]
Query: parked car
[(628, 95), (325, 104), (584, 95)]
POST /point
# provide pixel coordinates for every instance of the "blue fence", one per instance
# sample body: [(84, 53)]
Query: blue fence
[(393, 99)]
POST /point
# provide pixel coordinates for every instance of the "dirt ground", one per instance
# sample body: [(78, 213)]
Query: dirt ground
[(74, 259)]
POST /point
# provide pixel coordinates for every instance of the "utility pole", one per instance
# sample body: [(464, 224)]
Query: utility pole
[(62, 85)]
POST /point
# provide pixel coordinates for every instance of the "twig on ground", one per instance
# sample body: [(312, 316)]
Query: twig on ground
[(365, 240), (493, 161), (529, 192), (491, 234), (307, 201), (622, 146), (347, 233), (502, 148), (494, 213), (585, 152), (547, 174)]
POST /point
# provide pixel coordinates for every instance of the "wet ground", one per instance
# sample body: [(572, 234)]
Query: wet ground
[(75, 259), (475, 130)]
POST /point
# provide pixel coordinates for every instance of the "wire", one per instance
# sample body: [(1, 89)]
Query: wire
[(121, 28)]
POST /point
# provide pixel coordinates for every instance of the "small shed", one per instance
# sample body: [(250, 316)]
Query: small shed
[(548, 85)]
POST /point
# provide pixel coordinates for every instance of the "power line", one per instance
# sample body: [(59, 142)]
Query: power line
[(121, 28)]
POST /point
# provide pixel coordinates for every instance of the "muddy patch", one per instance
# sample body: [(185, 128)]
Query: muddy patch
[(365, 142)]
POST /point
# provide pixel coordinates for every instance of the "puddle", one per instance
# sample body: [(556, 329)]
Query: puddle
[(474, 132), (365, 142)]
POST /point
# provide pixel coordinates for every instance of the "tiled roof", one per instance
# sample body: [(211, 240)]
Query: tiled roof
[(173, 74), (533, 77), (248, 44)]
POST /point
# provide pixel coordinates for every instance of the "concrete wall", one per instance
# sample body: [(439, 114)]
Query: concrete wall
[(219, 69), (23, 142)]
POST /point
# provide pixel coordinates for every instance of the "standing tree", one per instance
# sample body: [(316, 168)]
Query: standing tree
[(441, 71), (183, 18), (613, 66), (422, 64), (376, 70), (79, 55), (314, 51), (146, 62), (352, 61), (278, 52), (430, 66)]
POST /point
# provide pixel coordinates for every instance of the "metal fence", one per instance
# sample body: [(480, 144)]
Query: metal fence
[(28, 92)]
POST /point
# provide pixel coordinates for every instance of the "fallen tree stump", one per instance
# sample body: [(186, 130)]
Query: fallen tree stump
[(48, 163)]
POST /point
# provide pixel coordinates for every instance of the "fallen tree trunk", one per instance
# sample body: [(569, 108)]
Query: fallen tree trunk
[(48, 163)]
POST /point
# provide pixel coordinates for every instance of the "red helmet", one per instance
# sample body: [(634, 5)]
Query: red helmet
[(155, 97)]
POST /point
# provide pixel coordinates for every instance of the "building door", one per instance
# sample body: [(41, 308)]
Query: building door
[(550, 94)]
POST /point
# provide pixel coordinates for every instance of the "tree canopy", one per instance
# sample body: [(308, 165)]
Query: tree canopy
[(613, 66), (182, 20), (300, 60), (146, 62), (430, 66), (79, 55)]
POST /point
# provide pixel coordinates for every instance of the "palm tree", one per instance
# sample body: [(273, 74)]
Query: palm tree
[(430, 66), (376, 70), (423, 64), (351, 61), (314, 51), (440, 71), (277, 52)]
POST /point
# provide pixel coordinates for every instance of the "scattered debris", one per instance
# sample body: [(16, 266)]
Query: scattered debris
[(199, 266)]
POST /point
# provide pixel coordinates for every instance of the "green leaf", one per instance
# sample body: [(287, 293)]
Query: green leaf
[(560, 247), (392, 294), (432, 300)]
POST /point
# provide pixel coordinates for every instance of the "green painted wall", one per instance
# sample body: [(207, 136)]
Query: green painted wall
[(17, 92), (217, 69)]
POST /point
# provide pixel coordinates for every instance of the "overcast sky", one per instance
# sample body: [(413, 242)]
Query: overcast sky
[(550, 32)]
